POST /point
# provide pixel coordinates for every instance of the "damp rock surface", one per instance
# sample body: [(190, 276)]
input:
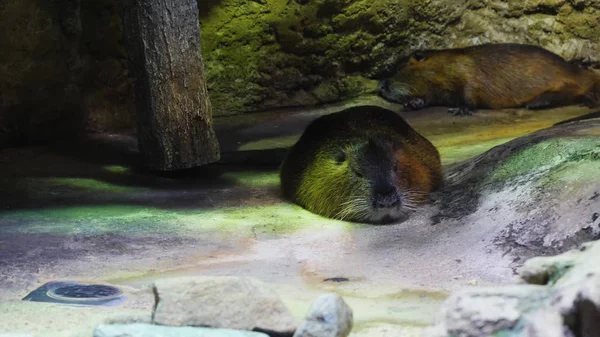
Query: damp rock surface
[(566, 304), (329, 316), (221, 302), (151, 330)]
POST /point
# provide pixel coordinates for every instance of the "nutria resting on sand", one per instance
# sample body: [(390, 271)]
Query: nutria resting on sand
[(362, 164)]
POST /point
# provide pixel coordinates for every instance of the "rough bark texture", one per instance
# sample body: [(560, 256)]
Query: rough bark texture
[(174, 114)]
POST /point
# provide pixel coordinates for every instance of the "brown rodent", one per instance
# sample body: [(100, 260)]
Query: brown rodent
[(363, 164), (494, 76)]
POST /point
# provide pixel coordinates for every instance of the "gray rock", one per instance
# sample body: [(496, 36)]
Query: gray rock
[(221, 302), (565, 303), (150, 330), (329, 316)]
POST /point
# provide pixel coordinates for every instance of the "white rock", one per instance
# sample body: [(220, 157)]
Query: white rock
[(221, 302), (329, 316)]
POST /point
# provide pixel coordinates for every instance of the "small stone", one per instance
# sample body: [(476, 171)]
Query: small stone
[(221, 302), (329, 316), (150, 330)]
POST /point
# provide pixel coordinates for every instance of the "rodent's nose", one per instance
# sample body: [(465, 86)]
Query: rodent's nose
[(384, 85), (388, 199)]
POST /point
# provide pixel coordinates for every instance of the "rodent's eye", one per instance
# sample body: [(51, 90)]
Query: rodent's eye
[(358, 174), (395, 167), (340, 156), (419, 56)]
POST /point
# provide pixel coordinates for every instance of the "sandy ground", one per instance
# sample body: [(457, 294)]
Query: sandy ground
[(88, 213)]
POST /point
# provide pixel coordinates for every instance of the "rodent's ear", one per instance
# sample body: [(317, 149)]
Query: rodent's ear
[(339, 155), (418, 56)]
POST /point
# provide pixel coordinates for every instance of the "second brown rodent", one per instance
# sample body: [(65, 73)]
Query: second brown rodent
[(492, 76)]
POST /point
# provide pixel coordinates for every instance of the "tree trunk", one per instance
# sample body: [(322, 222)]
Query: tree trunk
[(174, 115)]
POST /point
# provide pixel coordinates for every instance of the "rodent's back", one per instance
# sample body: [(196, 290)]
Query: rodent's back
[(496, 75)]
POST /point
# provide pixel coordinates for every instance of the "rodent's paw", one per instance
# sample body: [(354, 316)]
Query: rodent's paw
[(414, 103), (461, 111)]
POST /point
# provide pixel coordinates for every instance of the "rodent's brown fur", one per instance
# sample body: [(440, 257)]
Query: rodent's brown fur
[(313, 176), (494, 76)]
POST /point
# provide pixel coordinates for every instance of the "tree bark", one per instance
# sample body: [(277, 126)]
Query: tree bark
[(174, 114)]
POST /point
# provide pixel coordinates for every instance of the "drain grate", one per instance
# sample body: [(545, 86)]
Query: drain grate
[(76, 293), (85, 291)]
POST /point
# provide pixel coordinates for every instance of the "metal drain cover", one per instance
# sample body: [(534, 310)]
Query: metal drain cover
[(84, 292), (76, 293)]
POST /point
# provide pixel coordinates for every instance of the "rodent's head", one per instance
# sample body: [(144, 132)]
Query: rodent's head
[(413, 77), (356, 181)]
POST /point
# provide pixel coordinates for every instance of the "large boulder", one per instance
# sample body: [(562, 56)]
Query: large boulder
[(221, 302), (541, 192)]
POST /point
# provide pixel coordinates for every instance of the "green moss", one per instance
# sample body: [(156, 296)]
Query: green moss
[(573, 176), (547, 155), (235, 44), (582, 25), (259, 55)]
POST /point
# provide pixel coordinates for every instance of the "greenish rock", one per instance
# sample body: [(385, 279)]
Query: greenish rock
[(151, 330)]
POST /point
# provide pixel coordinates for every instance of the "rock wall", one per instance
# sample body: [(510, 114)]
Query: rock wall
[(258, 54)]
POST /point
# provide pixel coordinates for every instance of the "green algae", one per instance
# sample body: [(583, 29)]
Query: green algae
[(254, 179), (545, 156), (457, 153), (574, 175), (140, 220), (117, 169), (47, 185)]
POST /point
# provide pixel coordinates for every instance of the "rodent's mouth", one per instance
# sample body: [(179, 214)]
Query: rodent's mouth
[(390, 214), (391, 93)]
